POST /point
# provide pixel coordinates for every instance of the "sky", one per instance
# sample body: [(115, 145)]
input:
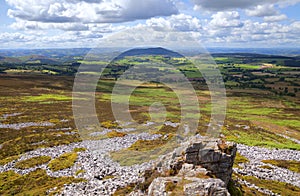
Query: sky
[(212, 23)]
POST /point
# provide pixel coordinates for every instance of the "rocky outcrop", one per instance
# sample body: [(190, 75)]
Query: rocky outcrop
[(214, 155), (201, 166)]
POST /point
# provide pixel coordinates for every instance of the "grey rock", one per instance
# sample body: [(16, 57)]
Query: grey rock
[(189, 185), (206, 187)]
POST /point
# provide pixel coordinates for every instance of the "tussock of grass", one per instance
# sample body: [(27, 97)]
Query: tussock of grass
[(8, 159), (170, 186), (146, 145), (239, 159), (291, 165), (34, 183), (79, 149), (223, 147), (64, 161), (79, 172), (115, 134), (110, 125), (266, 167), (32, 162), (234, 188), (167, 130), (125, 190)]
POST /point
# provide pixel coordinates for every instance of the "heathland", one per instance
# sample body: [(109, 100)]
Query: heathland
[(263, 113)]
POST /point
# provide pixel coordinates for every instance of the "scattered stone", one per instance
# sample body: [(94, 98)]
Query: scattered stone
[(193, 164), (169, 123), (18, 126), (254, 166)]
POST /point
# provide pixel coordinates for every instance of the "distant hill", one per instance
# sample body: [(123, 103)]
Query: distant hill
[(39, 59), (249, 55), (31, 59), (149, 51), (9, 60), (268, 51), (289, 61)]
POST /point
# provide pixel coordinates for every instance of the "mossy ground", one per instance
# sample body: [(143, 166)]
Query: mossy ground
[(257, 136), (32, 162), (275, 186), (64, 161), (115, 133), (146, 145), (109, 125), (50, 101), (79, 149), (125, 190), (34, 183), (239, 159), (235, 188), (8, 159), (287, 164), (144, 150), (79, 172)]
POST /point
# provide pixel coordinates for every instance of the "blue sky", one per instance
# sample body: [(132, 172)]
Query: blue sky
[(213, 23)]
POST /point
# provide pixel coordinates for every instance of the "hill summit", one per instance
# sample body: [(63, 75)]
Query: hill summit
[(150, 51)]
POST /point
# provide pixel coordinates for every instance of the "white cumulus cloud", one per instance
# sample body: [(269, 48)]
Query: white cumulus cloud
[(262, 10), (226, 19), (89, 11), (275, 18), (181, 22), (222, 5)]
